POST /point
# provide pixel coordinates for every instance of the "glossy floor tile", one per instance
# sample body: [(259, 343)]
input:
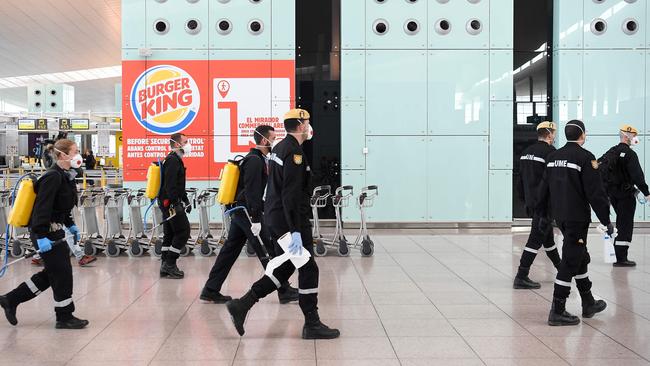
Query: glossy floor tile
[(427, 297)]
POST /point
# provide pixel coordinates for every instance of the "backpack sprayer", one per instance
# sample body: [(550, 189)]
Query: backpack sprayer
[(21, 212)]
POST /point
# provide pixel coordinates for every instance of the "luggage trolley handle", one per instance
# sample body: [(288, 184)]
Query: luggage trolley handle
[(320, 195), (341, 195), (367, 195)]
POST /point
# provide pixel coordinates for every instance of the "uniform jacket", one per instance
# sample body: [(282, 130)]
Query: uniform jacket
[(532, 165), (56, 196), (287, 195), (252, 182), (572, 183)]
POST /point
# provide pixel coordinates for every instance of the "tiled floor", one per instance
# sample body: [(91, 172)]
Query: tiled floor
[(425, 298)]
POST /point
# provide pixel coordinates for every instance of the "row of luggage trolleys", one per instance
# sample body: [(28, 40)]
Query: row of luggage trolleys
[(141, 239)]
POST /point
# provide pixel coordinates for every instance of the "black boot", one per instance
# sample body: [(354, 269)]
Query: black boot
[(214, 296), (10, 311), (314, 329), (238, 309), (171, 271), (559, 316), (72, 323), (522, 282), (621, 257), (590, 306), (625, 263), (287, 294)]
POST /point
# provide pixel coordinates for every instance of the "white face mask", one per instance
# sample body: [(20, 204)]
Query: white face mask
[(75, 161), (271, 144), (310, 132), (634, 140), (187, 148)]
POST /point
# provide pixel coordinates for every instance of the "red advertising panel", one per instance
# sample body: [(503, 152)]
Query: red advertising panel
[(217, 104)]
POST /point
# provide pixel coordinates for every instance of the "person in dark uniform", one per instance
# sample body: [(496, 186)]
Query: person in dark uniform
[(286, 210), (56, 195), (574, 184), (173, 201), (625, 173), (532, 165), (250, 195)]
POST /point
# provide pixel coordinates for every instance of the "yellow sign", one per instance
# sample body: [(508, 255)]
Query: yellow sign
[(41, 124), (80, 124), (26, 124)]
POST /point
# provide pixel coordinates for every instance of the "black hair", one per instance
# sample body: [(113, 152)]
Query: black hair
[(543, 133), (572, 131), (262, 132), (176, 138), (291, 124)]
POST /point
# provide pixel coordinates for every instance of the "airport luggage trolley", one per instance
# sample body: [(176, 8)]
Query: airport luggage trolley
[(137, 241), (340, 199), (363, 242), (319, 198), (5, 206), (89, 201), (114, 240), (206, 243)]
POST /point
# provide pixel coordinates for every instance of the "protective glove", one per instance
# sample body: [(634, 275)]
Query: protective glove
[(256, 228), (44, 245), (610, 229), (295, 248), (74, 230)]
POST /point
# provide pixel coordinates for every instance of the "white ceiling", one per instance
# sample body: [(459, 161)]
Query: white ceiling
[(50, 36)]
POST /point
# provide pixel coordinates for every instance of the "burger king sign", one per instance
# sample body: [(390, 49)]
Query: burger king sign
[(165, 99)]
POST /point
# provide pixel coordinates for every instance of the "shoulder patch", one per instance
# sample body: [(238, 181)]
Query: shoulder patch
[(297, 158), (594, 164)]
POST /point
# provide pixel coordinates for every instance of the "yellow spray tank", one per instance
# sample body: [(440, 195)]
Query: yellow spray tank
[(21, 211), (229, 181), (153, 181)]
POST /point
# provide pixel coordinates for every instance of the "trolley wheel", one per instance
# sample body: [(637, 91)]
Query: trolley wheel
[(157, 248), (17, 249), (135, 250), (111, 249), (367, 248), (186, 251), (343, 249), (205, 250), (249, 250), (321, 250), (90, 248)]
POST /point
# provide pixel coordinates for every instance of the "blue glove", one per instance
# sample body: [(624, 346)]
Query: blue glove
[(74, 230), (44, 245), (295, 248)]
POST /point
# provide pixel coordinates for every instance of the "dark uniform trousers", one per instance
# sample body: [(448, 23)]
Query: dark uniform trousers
[(541, 233), (238, 233), (307, 274), (176, 232), (575, 259), (624, 206), (57, 273)]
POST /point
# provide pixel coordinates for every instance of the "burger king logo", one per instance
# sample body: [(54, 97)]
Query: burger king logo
[(165, 99)]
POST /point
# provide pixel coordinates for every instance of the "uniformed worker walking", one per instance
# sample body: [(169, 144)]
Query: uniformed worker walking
[(250, 195), (622, 171), (287, 210), (56, 195), (174, 205), (572, 180), (532, 166)]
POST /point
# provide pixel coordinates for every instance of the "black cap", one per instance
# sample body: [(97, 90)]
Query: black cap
[(574, 129)]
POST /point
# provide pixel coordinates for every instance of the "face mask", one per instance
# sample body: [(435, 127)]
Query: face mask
[(310, 133), (271, 144), (634, 140), (75, 161), (187, 148)]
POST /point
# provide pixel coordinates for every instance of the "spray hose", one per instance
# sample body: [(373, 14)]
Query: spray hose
[(5, 260), (144, 220)]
